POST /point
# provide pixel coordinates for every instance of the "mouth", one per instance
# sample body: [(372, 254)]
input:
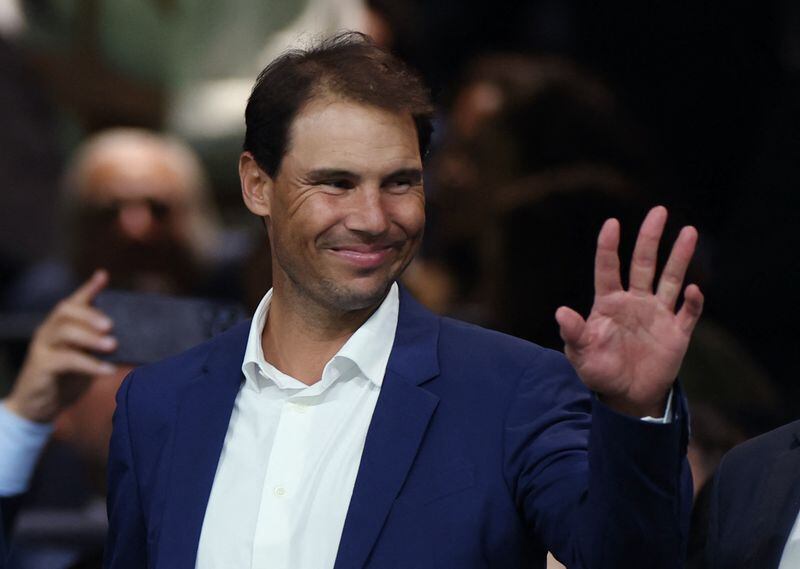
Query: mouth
[(363, 256)]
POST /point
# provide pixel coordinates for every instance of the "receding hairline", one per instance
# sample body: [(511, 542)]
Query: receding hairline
[(115, 144), (345, 67), (331, 99)]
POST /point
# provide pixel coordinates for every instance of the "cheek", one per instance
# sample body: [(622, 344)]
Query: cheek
[(304, 226), (410, 216)]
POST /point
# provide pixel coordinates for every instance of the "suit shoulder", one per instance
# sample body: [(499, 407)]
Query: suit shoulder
[(750, 454), (472, 342)]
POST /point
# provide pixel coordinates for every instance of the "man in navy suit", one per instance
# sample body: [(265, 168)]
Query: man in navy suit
[(346, 426), (755, 504)]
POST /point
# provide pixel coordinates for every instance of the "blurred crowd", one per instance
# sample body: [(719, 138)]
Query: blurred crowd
[(122, 123)]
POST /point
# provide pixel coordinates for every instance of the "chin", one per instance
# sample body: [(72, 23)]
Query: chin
[(350, 298)]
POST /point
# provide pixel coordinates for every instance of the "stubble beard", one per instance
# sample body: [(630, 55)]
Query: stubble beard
[(321, 294)]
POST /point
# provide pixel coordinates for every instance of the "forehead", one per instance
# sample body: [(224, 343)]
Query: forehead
[(132, 173), (347, 135)]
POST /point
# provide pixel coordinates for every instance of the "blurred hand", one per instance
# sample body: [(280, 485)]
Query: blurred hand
[(631, 346), (59, 366)]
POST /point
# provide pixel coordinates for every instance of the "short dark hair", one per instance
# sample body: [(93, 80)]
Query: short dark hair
[(347, 66)]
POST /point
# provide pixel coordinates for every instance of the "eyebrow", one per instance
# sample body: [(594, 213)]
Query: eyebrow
[(325, 173)]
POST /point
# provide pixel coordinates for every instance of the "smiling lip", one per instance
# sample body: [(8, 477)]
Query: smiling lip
[(363, 257)]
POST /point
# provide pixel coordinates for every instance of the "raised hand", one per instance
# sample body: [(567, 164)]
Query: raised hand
[(60, 364), (631, 346)]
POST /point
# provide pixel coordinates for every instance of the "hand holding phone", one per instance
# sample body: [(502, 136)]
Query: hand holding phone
[(62, 356)]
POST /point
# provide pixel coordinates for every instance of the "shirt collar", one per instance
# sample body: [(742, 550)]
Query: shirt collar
[(368, 348)]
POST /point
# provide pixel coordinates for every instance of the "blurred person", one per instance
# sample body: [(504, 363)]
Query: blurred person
[(538, 147), (755, 504), (348, 426), (61, 368), (138, 204), (525, 282), (516, 117)]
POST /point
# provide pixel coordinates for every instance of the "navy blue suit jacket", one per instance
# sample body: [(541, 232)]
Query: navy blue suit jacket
[(483, 451), (755, 501)]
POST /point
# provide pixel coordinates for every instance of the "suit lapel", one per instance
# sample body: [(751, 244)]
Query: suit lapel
[(398, 426), (778, 507), (202, 422)]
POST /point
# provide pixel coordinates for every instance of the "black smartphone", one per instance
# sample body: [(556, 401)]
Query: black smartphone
[(150, 327)]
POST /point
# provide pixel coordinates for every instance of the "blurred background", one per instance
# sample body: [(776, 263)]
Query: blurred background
[(122, 121)]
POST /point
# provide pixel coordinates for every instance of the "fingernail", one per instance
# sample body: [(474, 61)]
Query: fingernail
[(108, 342), (107, 368), (103, 323)]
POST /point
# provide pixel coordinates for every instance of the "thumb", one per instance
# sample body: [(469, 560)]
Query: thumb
[(571, 325)]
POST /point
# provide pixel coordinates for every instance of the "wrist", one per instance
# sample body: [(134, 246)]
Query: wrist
[(637, 409), (25, 409)]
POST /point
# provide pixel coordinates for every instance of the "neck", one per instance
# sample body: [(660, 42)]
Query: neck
[(299, 337)]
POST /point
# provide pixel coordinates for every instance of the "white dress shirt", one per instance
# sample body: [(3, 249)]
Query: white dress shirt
[(790, 558), (291, 454)]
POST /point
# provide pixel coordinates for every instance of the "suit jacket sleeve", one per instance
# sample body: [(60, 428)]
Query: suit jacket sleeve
[(622, 499), (127, 538)]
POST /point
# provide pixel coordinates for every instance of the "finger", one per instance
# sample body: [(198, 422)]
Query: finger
[(671, 281), (606, 260), (645, 252), (570, 326), (71, 361), (83, 314), (692, 308), (88, 290), (80, 337)]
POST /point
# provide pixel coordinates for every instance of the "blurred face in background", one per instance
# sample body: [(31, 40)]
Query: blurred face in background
[(133, 206)]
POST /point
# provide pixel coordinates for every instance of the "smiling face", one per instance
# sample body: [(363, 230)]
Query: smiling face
[(346, 210)]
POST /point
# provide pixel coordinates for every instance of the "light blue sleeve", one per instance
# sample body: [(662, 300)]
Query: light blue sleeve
[(21, 443)]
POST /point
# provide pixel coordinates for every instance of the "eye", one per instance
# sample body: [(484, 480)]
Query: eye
[(338, 183), (399, 184)]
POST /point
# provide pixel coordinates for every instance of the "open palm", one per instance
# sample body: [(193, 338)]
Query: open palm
[(631, 346)]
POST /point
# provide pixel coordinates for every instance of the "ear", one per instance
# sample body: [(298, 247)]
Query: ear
[(257, 186)]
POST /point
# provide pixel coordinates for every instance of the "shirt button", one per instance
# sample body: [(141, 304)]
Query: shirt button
[(297, 408), (279, 491)]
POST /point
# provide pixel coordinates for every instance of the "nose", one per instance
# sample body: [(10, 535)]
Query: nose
[(136, 221), (369, 214)]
